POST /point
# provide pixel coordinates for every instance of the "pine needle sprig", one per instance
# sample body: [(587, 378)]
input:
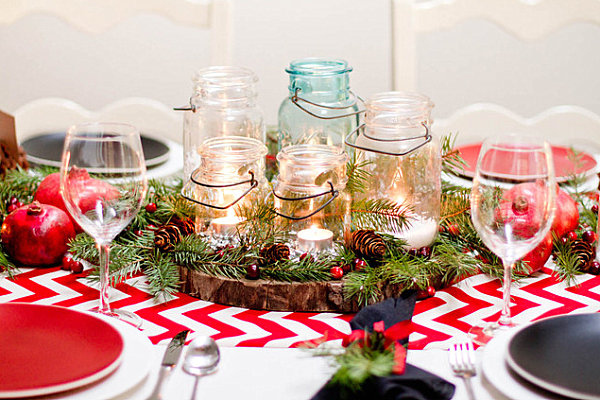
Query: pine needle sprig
[(162, 273), (452, 161), (6, 265), (359, 363), (358, 175), (380, 215), (307, 270), (364, 285), (566, 261)]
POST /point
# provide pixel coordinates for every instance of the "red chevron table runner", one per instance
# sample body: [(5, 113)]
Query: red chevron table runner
[(438, 319)]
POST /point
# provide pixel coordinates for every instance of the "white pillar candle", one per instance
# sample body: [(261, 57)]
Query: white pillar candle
[(225, 226), (316, 239), (420, 233)]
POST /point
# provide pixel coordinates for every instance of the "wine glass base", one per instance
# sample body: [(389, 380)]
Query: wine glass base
[(123, 315), (481, 334)]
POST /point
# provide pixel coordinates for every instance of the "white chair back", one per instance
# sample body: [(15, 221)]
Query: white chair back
[(562, 124), (152, 117)]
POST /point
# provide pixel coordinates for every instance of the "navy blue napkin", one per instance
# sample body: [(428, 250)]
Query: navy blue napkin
[(414, 384)]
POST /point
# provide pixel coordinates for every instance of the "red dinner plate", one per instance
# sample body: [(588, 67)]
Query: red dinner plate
[(48, 349), (565, 162)]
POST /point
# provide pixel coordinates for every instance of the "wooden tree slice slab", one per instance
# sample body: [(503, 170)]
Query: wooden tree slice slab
[(274, 296)]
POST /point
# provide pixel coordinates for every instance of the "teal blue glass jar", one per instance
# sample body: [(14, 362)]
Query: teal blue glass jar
[(320, 107)]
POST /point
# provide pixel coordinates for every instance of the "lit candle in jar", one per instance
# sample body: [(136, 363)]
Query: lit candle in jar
[(225, 226), (314, 238)]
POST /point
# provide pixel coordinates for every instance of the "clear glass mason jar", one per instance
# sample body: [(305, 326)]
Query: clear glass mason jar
[(231, 176), (320, 108), (223, 104), (403, 159), (310, 198)]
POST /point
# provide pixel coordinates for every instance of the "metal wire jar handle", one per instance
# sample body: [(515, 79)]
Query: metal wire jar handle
[(427, 138), (253, 183), (334, 193), (295, 98), (192, 107)]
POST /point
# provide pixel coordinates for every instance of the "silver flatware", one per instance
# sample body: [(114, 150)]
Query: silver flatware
[(169, 360), (201, 359), (461, 358)]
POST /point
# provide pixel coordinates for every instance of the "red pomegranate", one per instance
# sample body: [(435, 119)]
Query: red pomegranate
[(89, 191), (36, 235), (520, 206), (566, 217), (537, 257)]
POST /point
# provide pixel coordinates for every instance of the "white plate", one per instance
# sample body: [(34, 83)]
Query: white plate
[(138, 356), (496, 371)]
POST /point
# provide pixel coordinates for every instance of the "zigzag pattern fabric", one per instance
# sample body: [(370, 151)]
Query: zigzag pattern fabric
[(436, 320)]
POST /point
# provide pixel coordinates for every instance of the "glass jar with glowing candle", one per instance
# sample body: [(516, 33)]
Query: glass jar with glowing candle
[(310, 198), (231, 177), (223, 103), (403, 159), (320, 108)]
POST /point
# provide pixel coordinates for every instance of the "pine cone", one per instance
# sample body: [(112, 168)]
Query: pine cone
[(167, 236), (366, 243), (274, 252), (585, 253)]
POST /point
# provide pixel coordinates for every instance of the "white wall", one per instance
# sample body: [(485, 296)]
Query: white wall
[(149, 56)]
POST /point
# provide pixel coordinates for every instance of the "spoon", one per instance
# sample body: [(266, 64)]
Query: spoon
[(201, 359)]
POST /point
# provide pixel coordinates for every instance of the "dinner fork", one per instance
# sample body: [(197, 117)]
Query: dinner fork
[(462, 361)]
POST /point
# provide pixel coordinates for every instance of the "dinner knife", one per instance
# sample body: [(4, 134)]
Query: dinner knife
[(168, 362)]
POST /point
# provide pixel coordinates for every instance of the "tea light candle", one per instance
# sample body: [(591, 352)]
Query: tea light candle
[(314, 238), (225, 226)]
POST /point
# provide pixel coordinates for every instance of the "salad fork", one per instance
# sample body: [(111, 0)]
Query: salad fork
[(461, 358)]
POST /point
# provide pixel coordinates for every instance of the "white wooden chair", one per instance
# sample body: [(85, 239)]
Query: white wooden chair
[(153, 118), (562, 124)]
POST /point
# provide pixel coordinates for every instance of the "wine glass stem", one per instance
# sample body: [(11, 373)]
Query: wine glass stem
[(505, 318), (104, 253)]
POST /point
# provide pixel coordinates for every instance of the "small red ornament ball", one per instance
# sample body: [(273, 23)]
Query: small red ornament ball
[(76, 266), (252, 272), (336, 272), (66, 262), (572, 236), (359, 264), (589, 236), (151, 207)]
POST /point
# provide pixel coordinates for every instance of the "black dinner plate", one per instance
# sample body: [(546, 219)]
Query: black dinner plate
[(46, 149), (560, 354)]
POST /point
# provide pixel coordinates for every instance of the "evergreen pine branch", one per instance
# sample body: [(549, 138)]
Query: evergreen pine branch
[(380, 215), (194, 252), (566, 261), (364, 285), (452, 161), (162, 273), (6, 265), (358, 176), (307, 270)]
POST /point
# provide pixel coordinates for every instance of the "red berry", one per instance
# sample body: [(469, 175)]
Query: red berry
[(12, 208), (572, 236), (13, 200), (441, 229), (594, 268), (220, 253), (589, 236), (336, 272), (346, 268), (151, 227), (306, 256), (138, 232), (453, 229), (252, 271), (413, 252), (76, 266), (595, 208), (359, 264), (66, 262), (430, 291), (151, 207), (19, 204), (425, 251)]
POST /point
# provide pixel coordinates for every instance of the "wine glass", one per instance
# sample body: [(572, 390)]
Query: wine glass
[(103, 183), (512, 207)]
